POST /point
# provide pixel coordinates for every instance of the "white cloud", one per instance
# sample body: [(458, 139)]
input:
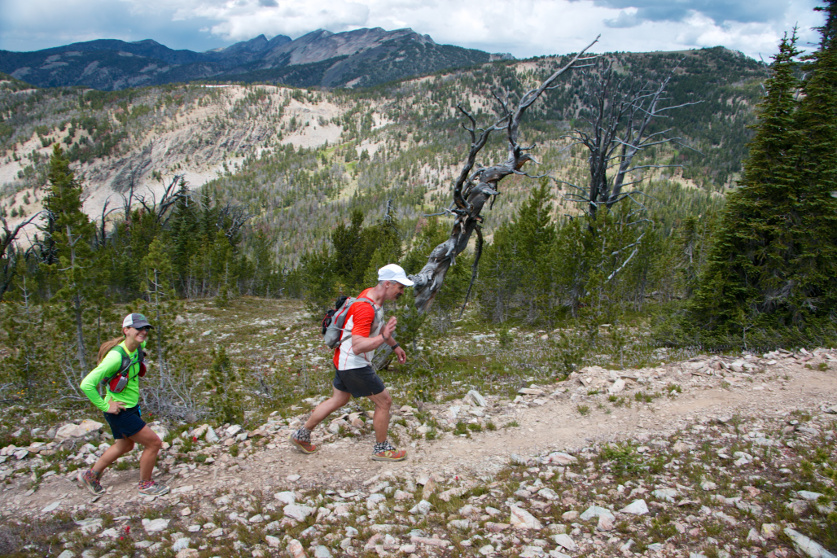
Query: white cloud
[(625, 19)]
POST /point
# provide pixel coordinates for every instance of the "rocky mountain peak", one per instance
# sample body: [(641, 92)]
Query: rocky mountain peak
[(322, 45), (93, 64)]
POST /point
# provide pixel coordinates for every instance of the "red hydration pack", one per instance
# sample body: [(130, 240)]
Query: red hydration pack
[(117, 382)]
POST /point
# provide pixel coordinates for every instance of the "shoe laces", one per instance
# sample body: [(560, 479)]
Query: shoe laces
[(383, 446)]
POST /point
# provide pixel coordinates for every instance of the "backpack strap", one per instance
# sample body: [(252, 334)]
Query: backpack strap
[(375, 309), (364, 299), (125, 365), (372, 304)]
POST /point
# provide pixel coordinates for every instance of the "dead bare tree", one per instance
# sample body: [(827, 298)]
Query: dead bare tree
[(160, 210), (473, 189), (9, 254), (231, 218), (619, 117), (101, 232), (127, 202)]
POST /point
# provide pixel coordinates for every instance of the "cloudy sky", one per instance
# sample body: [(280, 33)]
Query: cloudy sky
[(523, 28)]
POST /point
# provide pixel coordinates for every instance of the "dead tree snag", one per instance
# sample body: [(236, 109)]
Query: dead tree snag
[(473, 188)]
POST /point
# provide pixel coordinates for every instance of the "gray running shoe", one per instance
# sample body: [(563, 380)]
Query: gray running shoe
[(151, 488)]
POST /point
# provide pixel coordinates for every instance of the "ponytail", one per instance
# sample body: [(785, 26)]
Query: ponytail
[(105, 347)]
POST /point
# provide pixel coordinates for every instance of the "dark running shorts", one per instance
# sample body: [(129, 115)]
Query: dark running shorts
[(360, 382), (125, 424)]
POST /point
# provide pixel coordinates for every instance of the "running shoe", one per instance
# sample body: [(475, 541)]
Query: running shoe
[(90, 480), (302, 445), (390, 455), (151, 488)]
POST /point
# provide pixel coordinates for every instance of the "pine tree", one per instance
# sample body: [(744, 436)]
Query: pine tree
[(265, 279), (317, 283), (76, 269), (752, 222), (162, 304), (31, 357), (223, 268), (771, 268), (571, 264), (184, 238), (382, 241), (225, 400), (350, 258), (816, 175), (517, 275), (169, 388)]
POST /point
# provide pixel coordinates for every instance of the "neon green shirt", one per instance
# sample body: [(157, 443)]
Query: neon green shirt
[(109, 366)]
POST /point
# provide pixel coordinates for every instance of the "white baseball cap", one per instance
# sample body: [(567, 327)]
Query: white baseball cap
[(394, 272)]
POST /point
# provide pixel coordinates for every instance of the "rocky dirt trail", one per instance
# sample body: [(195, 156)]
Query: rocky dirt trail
[(543, 419)]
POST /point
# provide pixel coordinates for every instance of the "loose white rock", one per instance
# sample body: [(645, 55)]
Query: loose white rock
[(477, 398), (155, 525), (77, 430), (666, 494), (297, 512), (637, 507), (422, 508), (286, 497), (295, 549), (807, 495), (565, 541), (596, 511), (617, 387), (521, 519), (809, 547), (211, 436), (560, 458)]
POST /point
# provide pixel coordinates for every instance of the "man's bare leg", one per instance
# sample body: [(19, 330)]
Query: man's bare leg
[(380, 420), (338, 399)]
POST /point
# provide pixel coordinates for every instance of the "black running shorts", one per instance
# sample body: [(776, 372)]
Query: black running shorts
[(125, 424), (360, 382)]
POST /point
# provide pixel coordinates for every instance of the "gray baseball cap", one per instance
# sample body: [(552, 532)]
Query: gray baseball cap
[(136, 321)]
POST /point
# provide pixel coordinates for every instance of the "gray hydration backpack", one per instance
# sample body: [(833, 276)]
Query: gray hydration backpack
[(335, 319)]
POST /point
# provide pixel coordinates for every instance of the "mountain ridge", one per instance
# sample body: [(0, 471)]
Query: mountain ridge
[(317, 59)]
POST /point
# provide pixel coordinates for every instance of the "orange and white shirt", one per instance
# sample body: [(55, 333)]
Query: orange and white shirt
[(364, 320)]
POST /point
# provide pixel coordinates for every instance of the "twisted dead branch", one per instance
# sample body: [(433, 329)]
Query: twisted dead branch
[(473, 188)]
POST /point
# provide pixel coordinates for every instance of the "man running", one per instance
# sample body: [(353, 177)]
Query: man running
[(364, 331)]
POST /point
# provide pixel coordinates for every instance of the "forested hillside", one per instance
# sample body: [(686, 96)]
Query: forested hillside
[(224, 190), (284, 155)]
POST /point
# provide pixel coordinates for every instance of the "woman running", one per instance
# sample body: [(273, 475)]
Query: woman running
[(120, 365)]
